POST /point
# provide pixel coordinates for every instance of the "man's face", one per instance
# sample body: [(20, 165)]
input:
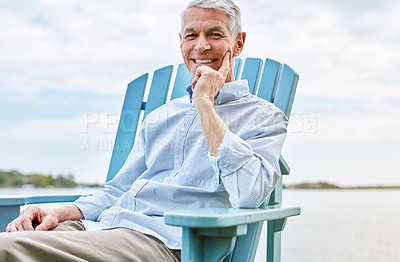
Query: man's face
[(206, 38)]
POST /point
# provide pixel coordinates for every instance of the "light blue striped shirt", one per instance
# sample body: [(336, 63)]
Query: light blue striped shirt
[(170, 166)]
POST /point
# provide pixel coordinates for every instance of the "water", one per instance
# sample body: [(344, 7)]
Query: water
[(10, 192), (342, 225), (18, 192), (334, 225)]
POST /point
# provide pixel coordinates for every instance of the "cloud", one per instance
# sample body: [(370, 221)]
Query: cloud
[(340, 49), (337, 56), (41, 132), (81, 146), (77, 45)]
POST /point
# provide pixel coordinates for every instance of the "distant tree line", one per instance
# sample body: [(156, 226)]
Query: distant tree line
[(15, 179), (317, 185), (326, 185)]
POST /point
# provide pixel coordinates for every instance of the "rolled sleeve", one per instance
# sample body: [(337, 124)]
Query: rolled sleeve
[(249, 169), (233, 154), (91, 206)]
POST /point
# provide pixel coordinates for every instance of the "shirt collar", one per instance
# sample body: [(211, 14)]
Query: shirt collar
[(229, 92)]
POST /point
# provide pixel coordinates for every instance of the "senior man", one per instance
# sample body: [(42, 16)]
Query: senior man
[(217, 147)]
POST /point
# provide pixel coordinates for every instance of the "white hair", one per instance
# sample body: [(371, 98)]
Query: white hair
[(227, 7)]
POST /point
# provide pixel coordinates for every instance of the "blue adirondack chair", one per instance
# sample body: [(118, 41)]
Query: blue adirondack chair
[(220, 234)]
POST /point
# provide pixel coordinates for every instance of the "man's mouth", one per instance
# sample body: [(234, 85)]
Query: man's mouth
[(205, 61)]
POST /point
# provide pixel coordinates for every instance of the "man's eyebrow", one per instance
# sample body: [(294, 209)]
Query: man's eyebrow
[(189, 29), (211, 29), (217, 28)]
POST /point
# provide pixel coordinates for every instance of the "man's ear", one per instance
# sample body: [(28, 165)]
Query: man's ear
[(180, 41), (239, 43)]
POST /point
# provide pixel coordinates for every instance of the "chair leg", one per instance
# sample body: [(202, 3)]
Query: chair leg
[(213, 244), (274, 228), (273, 243)]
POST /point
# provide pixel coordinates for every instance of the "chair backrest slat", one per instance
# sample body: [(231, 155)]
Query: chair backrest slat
[(237, 68), (269, 80), (251, 72), (159, 89), (183, 79), (127, 124), (286, 89)]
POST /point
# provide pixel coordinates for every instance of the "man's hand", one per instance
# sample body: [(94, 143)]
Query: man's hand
[(207, 81), (34, 218), (30, 216)]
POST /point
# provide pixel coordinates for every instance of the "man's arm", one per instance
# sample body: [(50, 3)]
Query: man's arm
[(207, 84), (248, 169), (35, 218)]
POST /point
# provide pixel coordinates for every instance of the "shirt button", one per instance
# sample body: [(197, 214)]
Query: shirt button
[(177, 161), (219, 102), (183, 129)]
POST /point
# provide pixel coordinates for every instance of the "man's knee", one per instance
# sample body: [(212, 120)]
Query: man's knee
[(9, 243), (21, 246)]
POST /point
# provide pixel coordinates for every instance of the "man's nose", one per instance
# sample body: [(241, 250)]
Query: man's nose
[(202, 44)]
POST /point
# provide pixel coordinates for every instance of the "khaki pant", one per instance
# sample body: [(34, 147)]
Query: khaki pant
[(70, 242)]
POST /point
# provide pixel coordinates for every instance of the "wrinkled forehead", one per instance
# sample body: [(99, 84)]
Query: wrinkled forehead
[(208, 19)]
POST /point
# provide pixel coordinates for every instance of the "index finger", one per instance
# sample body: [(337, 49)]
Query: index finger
[(224, 69), (11, 226), (27, 224)]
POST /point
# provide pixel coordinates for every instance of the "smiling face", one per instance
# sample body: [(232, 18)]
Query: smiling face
[(206, 38)]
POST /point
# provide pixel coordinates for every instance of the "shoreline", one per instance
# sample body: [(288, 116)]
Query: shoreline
[(325, 185)]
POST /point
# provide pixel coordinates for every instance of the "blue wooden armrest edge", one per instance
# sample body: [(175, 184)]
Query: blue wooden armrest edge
[(25, 200), (51, 199), (227, 217)]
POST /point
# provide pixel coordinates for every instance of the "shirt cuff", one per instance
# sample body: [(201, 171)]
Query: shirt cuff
[(214, 165), (89, 206)]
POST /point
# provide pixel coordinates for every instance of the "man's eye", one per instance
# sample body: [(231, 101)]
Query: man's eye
[(190, 36), (216, 35)]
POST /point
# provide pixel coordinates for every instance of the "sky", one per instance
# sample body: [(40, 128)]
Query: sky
[(65, 65)]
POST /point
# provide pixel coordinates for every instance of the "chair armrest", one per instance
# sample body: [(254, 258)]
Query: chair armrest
[(228, 217), (51, 199), (10, 206), (40, 199), (210, 234)]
